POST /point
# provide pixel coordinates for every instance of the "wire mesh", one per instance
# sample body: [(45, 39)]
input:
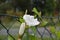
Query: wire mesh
[(11, 28)]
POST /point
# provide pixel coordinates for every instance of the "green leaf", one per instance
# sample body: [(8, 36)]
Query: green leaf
[(21, 20), (10, 38), (43, 23), (36, 12), (32, 37), (33, 29), (52, 29)]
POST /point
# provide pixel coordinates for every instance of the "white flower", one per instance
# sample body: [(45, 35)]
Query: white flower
[(30, 21), (22, 28)]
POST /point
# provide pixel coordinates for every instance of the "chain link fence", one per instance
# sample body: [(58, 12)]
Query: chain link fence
[(11, 27)]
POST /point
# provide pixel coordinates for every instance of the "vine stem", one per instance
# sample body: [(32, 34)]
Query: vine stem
[(27, 33)]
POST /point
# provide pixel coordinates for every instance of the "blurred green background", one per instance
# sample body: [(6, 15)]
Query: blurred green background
[(49, 8)]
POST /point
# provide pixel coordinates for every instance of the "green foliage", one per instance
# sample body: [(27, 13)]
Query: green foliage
[(31, 37), (58, 4), (49, 8), (4, 7), (58, 34), (21, 20), (43, 23), (10, 38), (1, 1), (33, 29), (50, 5), (3, 37), (58, 24), (52, 29), (36, 12)]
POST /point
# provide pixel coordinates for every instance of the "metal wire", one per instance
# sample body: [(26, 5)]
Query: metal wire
[(17, 17)]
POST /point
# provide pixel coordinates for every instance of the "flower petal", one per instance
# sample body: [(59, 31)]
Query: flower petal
[(29, 19), (22, 28)]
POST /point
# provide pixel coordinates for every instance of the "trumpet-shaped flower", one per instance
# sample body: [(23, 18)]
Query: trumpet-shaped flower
[(22, 28), (30, 21)]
